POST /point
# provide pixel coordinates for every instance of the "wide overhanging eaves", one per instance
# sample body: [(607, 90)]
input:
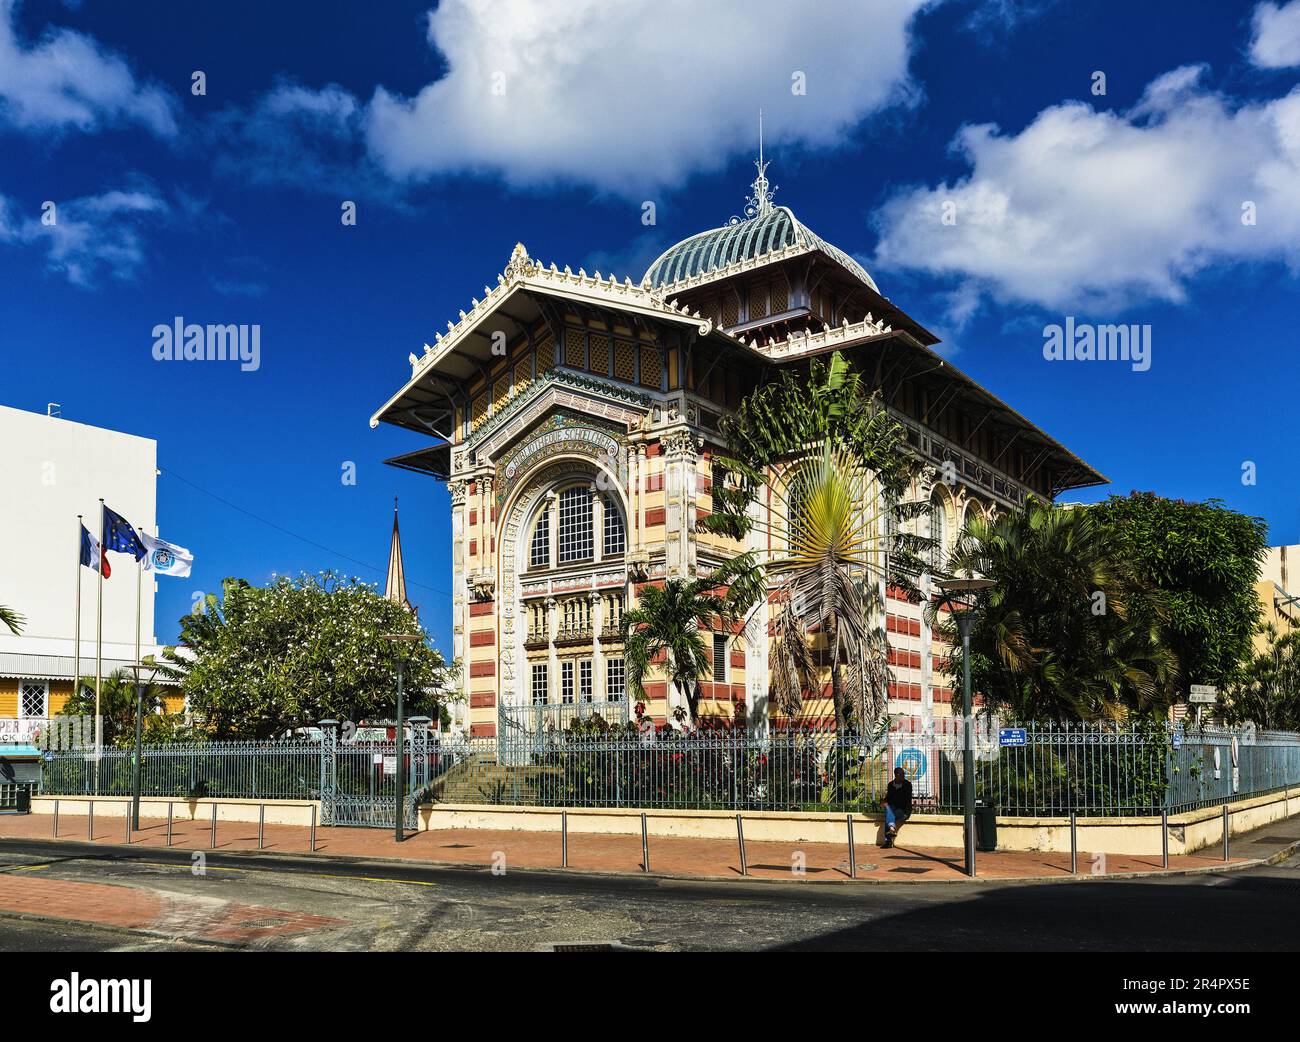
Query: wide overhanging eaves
[(434, 460), (438, 380)]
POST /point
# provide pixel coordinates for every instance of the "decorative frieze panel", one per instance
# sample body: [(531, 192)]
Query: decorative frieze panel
[(482, 584), (561, 434)]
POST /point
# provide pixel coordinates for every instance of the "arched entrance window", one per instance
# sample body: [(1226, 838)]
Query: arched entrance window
[(938, 533), (564, 531)]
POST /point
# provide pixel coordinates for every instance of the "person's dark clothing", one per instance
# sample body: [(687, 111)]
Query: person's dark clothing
[(899, 796)]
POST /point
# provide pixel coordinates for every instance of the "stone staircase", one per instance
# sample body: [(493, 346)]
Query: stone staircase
[(481, 779)]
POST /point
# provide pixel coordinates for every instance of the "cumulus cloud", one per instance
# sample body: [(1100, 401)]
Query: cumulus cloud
[(1275, 42), (1084, 207), (627, 96), (87, 239), (66, 81)]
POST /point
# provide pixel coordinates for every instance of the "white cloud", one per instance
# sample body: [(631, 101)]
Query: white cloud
[(633, 95), (1275, 43), (1084, 207), (88, 238), (67, 81)]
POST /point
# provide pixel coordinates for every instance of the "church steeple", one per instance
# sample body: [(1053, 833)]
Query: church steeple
[(395, 586)]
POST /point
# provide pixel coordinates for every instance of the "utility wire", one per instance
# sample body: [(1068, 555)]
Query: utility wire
[(280, 528)]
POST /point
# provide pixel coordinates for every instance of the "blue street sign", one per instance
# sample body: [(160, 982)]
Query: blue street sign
[(1012, 736)]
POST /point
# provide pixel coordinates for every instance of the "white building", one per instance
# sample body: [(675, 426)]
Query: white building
[(51, 470)]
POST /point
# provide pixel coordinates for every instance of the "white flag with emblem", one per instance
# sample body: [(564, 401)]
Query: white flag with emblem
[(166, 558)]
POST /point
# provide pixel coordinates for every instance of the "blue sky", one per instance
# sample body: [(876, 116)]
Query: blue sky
[(459, 132)]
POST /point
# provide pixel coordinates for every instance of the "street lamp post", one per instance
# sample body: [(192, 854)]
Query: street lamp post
[(403, 641), (953, 589)]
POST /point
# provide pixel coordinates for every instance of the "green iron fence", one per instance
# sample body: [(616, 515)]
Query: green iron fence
[(1032, 771)]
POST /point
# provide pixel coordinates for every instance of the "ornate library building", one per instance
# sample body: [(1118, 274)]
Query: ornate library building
[(574, 418)]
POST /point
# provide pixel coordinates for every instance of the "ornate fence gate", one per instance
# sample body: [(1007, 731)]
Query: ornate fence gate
[(358, 780)]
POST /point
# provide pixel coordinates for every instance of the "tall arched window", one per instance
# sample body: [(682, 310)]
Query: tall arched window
[(576, 541), (615, 535), (539, 555), (569, 520), (938, 534)]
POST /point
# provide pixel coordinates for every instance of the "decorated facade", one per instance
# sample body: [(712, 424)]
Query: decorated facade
[(575, 418)]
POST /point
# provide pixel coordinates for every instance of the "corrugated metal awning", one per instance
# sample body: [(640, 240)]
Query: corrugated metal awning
[(59, 667)]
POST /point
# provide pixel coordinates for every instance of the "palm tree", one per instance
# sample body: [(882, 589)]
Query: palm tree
[(116, 705), (671, 620), (11, 619), (1068, 632), (837, 465), (1268, 691), (825, 577)]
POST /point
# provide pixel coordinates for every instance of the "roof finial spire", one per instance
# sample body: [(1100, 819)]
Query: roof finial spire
[(759, 203)]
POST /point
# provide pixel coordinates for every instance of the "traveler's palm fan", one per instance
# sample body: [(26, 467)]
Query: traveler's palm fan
[(827, 522)]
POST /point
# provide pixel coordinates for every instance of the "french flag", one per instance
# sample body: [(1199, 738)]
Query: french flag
[(92, 553)]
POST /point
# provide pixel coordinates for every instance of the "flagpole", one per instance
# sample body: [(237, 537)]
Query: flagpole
[(99, 648), (76, 625), (139, 581)]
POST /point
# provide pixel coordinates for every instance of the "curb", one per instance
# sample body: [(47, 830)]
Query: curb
[(353, 859)]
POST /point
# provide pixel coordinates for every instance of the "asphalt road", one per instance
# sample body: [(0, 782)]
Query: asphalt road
[(407, 907)]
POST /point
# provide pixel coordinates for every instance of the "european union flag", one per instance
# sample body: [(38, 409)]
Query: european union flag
[(119, 535)]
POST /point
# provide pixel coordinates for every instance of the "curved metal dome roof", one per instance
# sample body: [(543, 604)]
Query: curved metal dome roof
[(745, 240)]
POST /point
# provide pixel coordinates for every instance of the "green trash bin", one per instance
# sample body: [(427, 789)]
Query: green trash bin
[(986, 826)]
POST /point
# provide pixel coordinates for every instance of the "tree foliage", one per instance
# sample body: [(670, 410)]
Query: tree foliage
[(11, 620), (671, 621), (834, 464), (262, 660), (782, 420), (1206, 559), (117, 707), (1070, 631), (1266, 691)]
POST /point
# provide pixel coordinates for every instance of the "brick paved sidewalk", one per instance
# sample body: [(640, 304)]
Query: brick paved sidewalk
[(673, 856), (132, 908)]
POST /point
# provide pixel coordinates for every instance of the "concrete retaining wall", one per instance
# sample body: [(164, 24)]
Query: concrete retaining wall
[(1195, 830), (1188, 832), (278, 812)]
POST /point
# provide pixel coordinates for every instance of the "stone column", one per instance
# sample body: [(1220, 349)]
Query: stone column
[(553, 661), (459, 567), (597, 525), (597, 652), (643, 480)]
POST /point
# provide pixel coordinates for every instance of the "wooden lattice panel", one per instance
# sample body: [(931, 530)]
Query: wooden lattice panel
[(651, 366), (624, 361), (757, 302), (500, 392), (599, 347), (545, 354), (730, 309), (523, 373), (478, 410), (573, 348), (780, 294)]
